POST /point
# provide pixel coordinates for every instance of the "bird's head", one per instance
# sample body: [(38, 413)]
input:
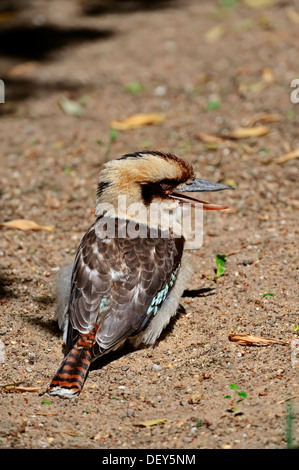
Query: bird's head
[(149, 177)]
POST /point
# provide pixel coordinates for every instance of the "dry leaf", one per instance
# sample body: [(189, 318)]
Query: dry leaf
[(250, 340), (21, 389), (264, 118), (24, 224), (244, 132), (252, 87), (259, 3), (215, 33), (137, 120), (293, 15), (151, 422), (209, 138), (268, 75), (287, 157), (248, 149), (21, 69)]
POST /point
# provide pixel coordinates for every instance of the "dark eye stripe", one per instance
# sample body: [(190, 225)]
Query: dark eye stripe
[(169, 183)]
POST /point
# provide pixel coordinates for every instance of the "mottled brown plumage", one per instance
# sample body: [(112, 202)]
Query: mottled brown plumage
[(114, 283), (125, 285)]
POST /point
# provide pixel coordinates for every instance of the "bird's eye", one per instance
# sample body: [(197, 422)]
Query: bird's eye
[(165, 186)]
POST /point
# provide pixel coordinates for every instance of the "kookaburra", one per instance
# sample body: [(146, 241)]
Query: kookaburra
[(122, 286)]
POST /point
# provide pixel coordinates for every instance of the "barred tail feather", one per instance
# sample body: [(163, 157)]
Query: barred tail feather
[(72, 372)]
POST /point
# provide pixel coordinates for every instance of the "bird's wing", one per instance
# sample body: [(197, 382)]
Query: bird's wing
[(119, 283)]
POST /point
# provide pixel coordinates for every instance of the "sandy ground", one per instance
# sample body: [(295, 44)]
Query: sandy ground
[(211, 68)]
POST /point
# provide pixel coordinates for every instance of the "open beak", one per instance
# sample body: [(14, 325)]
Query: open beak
[(198, 185)]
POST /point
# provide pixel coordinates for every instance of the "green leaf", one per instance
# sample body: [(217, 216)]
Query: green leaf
[(147, 144), (199, 424), (242, 394), (291, 115), (234, 387), (112, 135), (265, 150), (228, 3), (296, 327), (220, 263), (67, 170), (45, 402), (84, 100), (267, 293), (227, 396), (213, 105), (134, 87)]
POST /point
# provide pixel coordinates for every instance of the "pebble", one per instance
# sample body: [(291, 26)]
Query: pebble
[(160, 90), (157, 367)]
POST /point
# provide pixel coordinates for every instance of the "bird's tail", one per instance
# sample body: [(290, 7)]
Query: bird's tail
[(72, 372)]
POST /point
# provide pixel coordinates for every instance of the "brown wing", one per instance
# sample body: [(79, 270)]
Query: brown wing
[(119, 284)]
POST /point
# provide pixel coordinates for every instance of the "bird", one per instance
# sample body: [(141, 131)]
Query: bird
[(129, 271)]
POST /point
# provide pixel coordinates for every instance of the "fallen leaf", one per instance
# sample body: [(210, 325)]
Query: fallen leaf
[(264, 118), (252, 87), (137, 120), (209, 138), (244, 132), (259, 3), (71, 107), (287, 157), (134, 87), (251, 340), (213, 105), (268, 75), (293, 15), (248, 149), (21, 69), (21, 389), (151, 422), (24, 224), (215, 33)]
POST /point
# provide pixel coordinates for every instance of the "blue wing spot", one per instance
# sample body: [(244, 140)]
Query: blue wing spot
[(162, 294), (104, 303)]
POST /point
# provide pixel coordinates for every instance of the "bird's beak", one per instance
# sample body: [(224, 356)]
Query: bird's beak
[(198, 185)]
